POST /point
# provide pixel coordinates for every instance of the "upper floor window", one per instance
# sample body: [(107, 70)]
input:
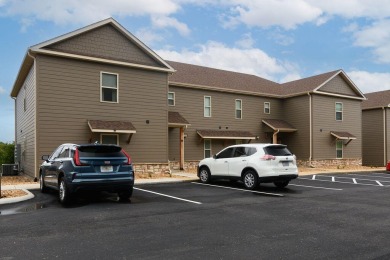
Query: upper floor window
[(171, 98), (109, 87), (339, 111), (238, 108), (207, 106), (267, 108)]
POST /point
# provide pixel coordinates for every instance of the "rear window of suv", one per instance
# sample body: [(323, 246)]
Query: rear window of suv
[(277, 150), (100, 151)]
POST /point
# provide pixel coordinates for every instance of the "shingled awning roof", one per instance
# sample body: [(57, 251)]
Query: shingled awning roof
[(279, 125), (175, 119), (225, 134), (343, 135), (120, 127)]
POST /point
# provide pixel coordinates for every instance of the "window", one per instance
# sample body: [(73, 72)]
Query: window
[(207, 106), (64, 153), (227, 153), (171, 98), (109, 87), (267, 108), (238, 109), (339, 149), (339, 111), (109, 139), (207, 148)]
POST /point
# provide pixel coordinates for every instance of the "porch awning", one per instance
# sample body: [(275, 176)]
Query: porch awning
[(225, 134), (118, 127), (343, 135), (279, 125), (175, 119)]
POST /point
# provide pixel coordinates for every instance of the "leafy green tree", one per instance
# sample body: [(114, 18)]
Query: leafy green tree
[(7, 153)]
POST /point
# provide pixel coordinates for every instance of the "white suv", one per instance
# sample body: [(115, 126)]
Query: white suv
[(251, 163)]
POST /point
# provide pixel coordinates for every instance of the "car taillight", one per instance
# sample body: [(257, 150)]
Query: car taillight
[(128, 157), (268, 157), (76, 158)]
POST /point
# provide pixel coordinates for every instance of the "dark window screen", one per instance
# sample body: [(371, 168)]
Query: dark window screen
[(100, 151), (277, 150)]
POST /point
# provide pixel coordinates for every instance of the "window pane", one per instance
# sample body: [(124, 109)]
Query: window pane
[(207, 112), (207, 144), (227, 153), (207, 101), (340, 154), (339, 116), (171, 102), (207, 154), (109, 94), (238, 104), (339, 107), (109, 80), (109, 139), (238, 113)]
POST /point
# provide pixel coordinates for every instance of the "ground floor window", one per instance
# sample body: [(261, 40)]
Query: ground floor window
[(207, 148), (339, 149), (109, 139)]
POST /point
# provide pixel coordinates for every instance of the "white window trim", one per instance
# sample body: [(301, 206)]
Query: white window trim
[(342, 149), (269, 108), (204, 106), (174, 97), (101, 87), (342, 111), (204, 148), (235, 109), (117, 138)]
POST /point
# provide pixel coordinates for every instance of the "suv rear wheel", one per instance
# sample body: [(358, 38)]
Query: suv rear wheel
[(42, 185), (64, 195), (281, 184), (250, 179)]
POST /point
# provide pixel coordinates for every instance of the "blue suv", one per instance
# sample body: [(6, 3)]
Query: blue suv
[(90, 167)]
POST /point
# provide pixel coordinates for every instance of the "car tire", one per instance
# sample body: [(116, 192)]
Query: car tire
[(281, 184), (125, 195), (204, 175), (42, 185), (64, 195), (250, 179)]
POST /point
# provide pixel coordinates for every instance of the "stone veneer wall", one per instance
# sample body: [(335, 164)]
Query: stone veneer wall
[(339, 163), (149, 170)]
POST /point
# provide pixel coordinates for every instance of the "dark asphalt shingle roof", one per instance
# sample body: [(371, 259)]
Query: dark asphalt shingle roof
[(376, 99), (111, 125), (279, 124), (176, 118), (210, 133)]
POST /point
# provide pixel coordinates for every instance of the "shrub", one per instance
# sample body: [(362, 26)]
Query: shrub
[(7, 153)]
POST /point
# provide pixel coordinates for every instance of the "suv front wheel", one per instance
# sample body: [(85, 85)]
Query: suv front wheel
[(250, 179), (204, 175)]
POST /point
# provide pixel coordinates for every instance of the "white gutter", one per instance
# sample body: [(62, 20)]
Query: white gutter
[(311, 130)]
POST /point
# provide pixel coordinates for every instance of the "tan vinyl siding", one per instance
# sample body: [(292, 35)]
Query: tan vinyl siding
[(373, 135), (25, 124), (296, 111), (324, 145), (339, 86), (174, 143), (69, 95), (189, 103), (105, 42), (387, 129)]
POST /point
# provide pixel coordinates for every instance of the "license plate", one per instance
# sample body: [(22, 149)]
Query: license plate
[(285, 163), (106, 168)]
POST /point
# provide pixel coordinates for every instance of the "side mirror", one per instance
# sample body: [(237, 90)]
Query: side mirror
[(45, 157), (215, 156)]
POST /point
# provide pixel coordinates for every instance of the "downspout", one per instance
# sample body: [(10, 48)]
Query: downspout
[(35, 117), (310, 127), (384, 137)]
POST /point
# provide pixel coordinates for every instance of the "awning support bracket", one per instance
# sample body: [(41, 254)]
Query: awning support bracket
[(129, 139)]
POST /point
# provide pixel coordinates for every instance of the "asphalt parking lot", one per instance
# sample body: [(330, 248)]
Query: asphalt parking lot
[(332, 216)]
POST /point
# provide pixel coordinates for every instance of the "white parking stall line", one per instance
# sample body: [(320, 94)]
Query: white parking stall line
[(315, 187), (333, 179), (169, 196), (354, 180), (230, 188), (380, 184), (364, 184), (314, 177), (378, 175)]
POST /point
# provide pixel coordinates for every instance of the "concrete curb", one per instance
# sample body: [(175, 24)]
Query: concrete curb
[(17, 199)]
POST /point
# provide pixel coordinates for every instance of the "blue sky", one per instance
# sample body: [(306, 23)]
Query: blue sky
[(281, 40)]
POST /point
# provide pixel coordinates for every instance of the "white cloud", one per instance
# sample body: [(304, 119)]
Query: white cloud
[(266, 13), (377, 37), (370, 82), (217, 55), (148, 36), (164, 22), (2, 90), (246, 41)]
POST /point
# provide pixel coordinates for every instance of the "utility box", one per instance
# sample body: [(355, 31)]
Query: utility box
[(9, 169)]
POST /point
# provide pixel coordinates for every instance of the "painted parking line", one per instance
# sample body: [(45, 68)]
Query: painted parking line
[(169, 196), (315, 187), (230, 188), (364, 184)]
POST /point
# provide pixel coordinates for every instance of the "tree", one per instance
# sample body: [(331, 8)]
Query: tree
[(7, 155)]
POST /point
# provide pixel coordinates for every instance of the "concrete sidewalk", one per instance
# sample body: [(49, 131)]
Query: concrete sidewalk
[(176, 177)]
